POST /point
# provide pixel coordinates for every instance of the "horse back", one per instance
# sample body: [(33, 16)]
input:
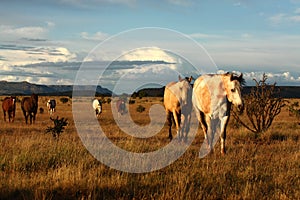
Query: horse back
[(208, 93), (9, 104), (171, 102), (29, 105)]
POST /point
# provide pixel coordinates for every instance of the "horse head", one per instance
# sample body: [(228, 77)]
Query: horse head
[(233, 90), (34, 97)]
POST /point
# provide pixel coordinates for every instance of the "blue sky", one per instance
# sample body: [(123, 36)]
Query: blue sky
[(46, 41)]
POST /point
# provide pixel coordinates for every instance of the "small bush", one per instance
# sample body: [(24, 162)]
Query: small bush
[(108, 100), (140, 108), (64, 100), (59, 126), (131, 101)]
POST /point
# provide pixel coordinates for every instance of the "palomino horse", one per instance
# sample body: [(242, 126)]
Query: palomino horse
[(178, 103), (212, 99), (9, 106), (29, 107), (97, 105)]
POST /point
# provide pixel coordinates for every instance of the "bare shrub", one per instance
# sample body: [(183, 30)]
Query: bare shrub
[(262, 105), (58, 128)]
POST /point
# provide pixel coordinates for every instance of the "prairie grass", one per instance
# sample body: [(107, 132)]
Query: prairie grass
[(34, 165)]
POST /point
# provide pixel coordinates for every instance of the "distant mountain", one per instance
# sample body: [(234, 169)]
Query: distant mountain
[(25, 88), (285, 91)]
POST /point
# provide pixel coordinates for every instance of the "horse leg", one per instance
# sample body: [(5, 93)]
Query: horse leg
[(30, 117), (9, 115), (169, 119), (209, 134), (224, 123), (33, 117), (4, 115), (177, 119), (13, 115), (26, 117)]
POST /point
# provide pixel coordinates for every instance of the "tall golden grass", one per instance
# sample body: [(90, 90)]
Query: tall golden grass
[(34, 165)]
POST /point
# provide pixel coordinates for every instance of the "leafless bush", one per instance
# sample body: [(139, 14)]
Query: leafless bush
[(58, 128), (262, 105)]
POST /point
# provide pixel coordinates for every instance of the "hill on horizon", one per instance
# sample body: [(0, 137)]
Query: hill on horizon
[(285, 91), (26, 88)]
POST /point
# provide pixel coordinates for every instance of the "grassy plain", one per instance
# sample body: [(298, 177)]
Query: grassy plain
[(33, 165)]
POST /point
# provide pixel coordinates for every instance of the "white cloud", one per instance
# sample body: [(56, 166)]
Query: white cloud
[(93, 3), (278, 18), (246, 35), (283, 78), (205, 36), (11, 32), (50, 24), (237, 4), (180, 2), (295, 18), (285, 18), (37, 55), (148, 54), (99, 36)]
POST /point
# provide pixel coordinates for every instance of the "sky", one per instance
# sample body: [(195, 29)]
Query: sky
[(58, 41)]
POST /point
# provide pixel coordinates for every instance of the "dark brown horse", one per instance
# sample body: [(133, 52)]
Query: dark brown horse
[(9, 106), (121, 107), (29, 107)]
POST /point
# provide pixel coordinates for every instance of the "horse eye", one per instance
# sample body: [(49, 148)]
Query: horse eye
[(233, 90)]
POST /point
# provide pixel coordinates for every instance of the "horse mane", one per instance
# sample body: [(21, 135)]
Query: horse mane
[(188, 79), (234, 76)]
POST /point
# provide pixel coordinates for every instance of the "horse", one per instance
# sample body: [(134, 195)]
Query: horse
[(213, 95), (97, 105), (121, 107), (9, 106), (178, 105), (51, 104), (29, 107)]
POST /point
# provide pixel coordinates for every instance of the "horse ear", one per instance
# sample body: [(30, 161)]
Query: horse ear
[(231, 77), (179, 78), (241, 77), (190, 79)]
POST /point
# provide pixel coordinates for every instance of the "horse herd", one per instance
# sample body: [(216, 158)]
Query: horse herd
[(211, 96), (29, 106)]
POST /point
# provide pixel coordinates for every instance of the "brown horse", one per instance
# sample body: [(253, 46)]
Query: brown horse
[(121, 107), (29, 107), (9, 106)]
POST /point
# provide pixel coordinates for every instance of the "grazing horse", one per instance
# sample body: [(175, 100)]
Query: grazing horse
[(51, 104), (121, 107), (178, 105), (29, 107), (213, 95), (9, 106), (97, 105)]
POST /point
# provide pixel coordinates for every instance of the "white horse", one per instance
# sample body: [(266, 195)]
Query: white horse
[(212, 99), (97, 105), (178, 106)]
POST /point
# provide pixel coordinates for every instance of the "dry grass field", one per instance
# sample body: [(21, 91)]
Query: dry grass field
[(34, 165)]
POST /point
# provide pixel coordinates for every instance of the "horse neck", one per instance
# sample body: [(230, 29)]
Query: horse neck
[(226, 81)]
